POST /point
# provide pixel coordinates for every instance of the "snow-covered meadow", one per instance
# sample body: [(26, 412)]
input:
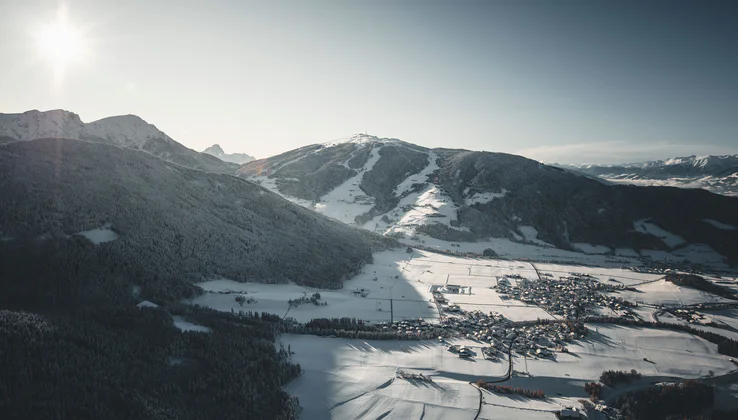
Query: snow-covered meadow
[(404, 278), (356, 379)]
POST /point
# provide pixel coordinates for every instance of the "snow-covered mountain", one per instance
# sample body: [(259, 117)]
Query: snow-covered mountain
[(217, 151), (125, 130), (477, 200), (718, 174)]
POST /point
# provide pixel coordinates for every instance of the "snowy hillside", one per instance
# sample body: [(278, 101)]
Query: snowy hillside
[(471, 201), (717, 174), (34, 124), (124, 130)]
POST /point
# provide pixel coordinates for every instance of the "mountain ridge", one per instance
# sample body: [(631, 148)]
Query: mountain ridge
[(399, 189), (715, 173), (124, 130)]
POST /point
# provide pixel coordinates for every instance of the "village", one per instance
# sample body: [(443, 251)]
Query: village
[(495, 334), (570, 296)]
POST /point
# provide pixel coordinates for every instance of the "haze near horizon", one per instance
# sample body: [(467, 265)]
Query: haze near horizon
[(565, 81)]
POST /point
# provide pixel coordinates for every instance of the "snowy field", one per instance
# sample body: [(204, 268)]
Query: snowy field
[(355, 379), (603, 274), (663, 292), (408, 278), (668, 353), (185, 325), (404, 278)]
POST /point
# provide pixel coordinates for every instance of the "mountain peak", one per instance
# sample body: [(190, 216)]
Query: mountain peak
[(128, 130), (217, 151), (35, 124), (214, 150), (362, 138)]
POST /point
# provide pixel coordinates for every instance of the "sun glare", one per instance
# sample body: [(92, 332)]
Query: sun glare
[(60, 43)]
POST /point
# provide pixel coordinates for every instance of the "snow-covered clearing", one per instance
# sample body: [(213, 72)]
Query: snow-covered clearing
[(184, 325), (531, 235), (591, 249), (670, 239), (99, 235), (663, 292), (483, 198), (719, 225), (431, 206), (418, 178), (147, 304), (336, 205)]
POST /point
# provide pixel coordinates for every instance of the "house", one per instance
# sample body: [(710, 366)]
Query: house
[(571, 413)]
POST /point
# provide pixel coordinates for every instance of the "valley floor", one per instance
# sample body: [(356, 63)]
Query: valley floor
[(361, 379)]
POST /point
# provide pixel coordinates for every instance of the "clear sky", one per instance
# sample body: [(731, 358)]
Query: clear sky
[(559, 81)]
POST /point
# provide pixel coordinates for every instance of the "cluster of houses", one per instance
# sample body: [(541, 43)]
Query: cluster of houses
[(690, 316), (416, 327), (495, 333), (498, 333), (570, 296)]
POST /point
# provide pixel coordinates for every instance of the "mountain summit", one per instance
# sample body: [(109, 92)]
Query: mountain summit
[(126, 130), (217, 151)]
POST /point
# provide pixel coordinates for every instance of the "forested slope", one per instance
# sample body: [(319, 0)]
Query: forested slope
[(175, 225), (88, 230), (130, 363)]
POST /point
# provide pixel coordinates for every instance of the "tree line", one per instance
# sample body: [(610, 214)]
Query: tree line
[(125, 362)]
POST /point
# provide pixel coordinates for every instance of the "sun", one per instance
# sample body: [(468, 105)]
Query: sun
[(60, 42)]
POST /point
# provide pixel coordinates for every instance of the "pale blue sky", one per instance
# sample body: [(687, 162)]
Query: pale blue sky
[(564, 81)]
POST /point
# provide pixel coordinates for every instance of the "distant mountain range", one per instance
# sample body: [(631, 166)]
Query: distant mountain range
[(718, 174), (217, 151), (404, 190), (126, 130)]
